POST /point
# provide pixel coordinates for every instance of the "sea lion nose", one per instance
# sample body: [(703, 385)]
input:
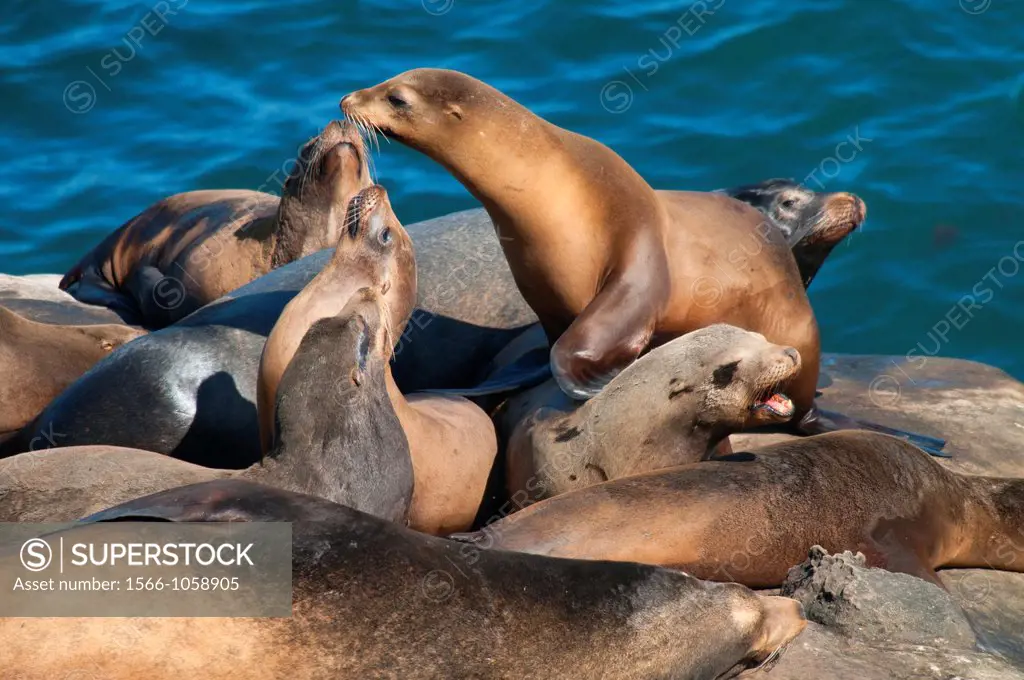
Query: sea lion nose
[(342, 103), (793, 355), (851, 202)]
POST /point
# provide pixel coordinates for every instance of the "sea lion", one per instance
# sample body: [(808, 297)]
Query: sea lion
[(336, 435), (187, 250), (672, 406), (190, 390), (39, 360), (813, 222), (452, 440), (647, 265), (751, 516), (373, 599)]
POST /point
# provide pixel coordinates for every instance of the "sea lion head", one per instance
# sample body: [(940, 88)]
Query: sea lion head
[(421, 106), (332, 168), (803, 214), (374, 239), (725, 377), (769, 623)]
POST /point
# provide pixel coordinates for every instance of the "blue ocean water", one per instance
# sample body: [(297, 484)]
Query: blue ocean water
[(111, 105)]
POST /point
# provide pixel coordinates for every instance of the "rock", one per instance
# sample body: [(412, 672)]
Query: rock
[(38, 298), (820, 654), (875, 605), (979, 410), (871, 624)]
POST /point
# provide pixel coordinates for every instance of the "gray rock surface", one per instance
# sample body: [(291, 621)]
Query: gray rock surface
[(871, 624)]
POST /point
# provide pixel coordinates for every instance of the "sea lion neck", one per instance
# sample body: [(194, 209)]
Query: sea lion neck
[(994, 531), (294, 235), (525, 148)]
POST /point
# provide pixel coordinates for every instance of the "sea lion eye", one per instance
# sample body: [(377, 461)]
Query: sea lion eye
[(789, 203), (397, 101), (385, 236)]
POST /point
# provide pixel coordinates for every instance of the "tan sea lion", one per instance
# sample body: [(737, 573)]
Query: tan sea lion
[(813, 222), (751, 516), (610, 266), (375, 600), (38, 360), (672, 406), (187, 250), (336, 436), (451, 439)]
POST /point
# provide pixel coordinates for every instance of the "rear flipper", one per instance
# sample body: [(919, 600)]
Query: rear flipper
[(527, 371), (819, 421), (91, 291), (161, 299)]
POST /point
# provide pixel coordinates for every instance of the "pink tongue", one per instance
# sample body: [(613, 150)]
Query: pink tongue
[(779, 402)]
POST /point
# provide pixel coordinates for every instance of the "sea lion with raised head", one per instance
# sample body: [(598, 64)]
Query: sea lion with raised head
[(610, 266), (39, 360), (451, 439), (335, 436), (672, 406), (373, 599), (187, 250), (189, 390), (813, 222), (750, 516)]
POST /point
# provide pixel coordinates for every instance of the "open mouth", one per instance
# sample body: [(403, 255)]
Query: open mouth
[(777, 405)]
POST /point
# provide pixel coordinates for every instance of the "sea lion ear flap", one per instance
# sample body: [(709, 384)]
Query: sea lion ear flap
[(453, 110)]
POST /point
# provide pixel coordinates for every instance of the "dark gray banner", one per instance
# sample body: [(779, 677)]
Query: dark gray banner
[(146, 569)]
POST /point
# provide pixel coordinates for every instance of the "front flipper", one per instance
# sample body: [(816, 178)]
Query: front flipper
[(819, 421), (605, 338), (527, 371)]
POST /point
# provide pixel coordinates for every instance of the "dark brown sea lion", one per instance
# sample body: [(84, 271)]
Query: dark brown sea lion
[(672, 406), (813, 222), (39, 360), (376, 600), (646, 266), (190, 249), (451, 439), (336, 436), (751, 516)]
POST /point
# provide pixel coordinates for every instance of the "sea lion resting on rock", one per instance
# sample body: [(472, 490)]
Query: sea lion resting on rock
[(190, 390), (812, 222), (336, 436), (187, 250), (749, 517), (672, 406), (372, 599), (647, 266), (452, 440), (39, 360)]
